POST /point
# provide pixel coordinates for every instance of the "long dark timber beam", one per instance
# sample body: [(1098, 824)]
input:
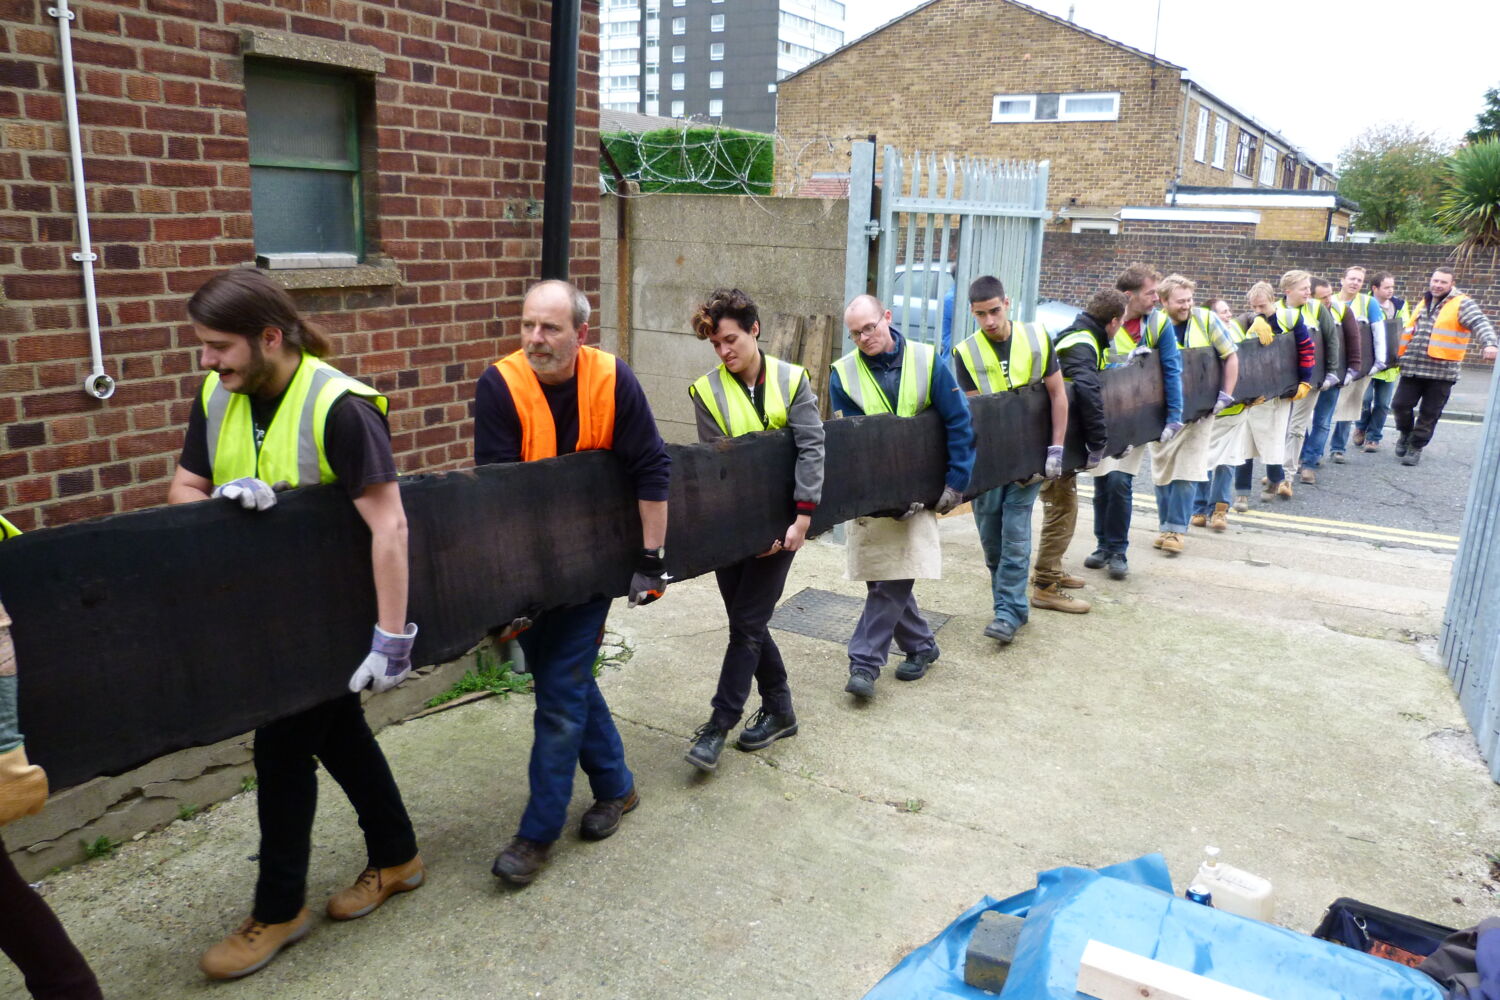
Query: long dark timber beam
[(148, 632)]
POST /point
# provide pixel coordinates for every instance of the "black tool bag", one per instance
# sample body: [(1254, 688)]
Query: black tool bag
[(1384, 933)]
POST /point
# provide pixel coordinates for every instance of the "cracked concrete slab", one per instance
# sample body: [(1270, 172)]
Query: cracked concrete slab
[(1261, 692)]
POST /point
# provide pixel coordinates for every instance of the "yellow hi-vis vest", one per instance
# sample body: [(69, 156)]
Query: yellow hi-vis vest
[(730, 405), (292, 451), (918, 365), (1028, 348), (1073, 339), (8, 530), (1449, 338), (1152, 324)]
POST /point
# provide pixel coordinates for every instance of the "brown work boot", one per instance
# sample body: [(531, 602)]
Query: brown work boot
[(1071, 582), (521, 860), (1359, 436), (603, 817), (1053, 599), (1170, 542), (1284, 489), (1308, 475), (1199, 520), (252, 947), (373, 887), (1220, 519)]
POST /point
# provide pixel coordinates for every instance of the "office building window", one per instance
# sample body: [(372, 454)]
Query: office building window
[(679, 25), (716, 109), (716, 80), (679, 81), (677, 109), (716, 22), (679, 53), (716, 52)]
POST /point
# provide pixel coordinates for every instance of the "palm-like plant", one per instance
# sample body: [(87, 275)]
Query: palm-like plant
[(1471, 205)]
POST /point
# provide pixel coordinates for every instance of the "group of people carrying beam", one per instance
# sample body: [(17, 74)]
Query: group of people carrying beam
[(271, 414)]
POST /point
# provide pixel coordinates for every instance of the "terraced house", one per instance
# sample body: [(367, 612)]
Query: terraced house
[(1135, 145)]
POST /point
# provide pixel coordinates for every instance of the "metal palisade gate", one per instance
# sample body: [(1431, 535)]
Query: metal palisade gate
[(943, 222), (1470, 644)]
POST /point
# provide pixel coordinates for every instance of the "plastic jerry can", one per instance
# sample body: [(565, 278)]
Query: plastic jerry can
[(1235, 890)]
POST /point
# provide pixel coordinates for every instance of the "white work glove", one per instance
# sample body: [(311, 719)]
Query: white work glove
[(1095, 456), (1329, 381), (1224, 400), (1350, 374), (951, 498), (1053, 468), (249, 492), (912, 511), (1170, 431), (388, 662), (1139, 352)]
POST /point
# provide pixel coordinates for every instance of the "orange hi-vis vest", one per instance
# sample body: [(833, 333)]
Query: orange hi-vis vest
[(1449, 338), (596, 403)]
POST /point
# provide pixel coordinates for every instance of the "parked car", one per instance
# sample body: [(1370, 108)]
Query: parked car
[(930, 283), (1056, 315)]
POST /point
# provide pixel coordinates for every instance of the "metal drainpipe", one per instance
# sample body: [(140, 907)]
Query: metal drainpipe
[(562, 97), (97, 384)]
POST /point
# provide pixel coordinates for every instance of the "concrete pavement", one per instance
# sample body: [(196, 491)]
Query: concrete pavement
[(1265, 692)]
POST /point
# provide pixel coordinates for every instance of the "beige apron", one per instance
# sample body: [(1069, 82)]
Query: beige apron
[(1185, 457), (1130, 464), (883, 548), (1296, 430), (1266, 427), (1350, 398), (1229, 439)]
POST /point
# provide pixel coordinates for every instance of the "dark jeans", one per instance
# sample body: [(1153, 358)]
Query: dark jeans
[(286, 756), (1431, 395), (1246, 473), (32, 937), (1375, 408), (571, 725), (1112, 510), (751, 588)]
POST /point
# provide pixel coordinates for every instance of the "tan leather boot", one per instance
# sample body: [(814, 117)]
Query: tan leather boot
[(252, 946), (23, 786), (1219, 520)]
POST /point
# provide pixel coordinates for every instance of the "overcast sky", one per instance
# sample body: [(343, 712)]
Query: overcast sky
[(1344, 65)]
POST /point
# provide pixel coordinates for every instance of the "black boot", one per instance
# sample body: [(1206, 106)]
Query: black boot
[(708, 743), (1402, 444), (766, 728)]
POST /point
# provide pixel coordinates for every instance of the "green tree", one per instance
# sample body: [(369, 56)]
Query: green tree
[(1487, 122), (1471, 205), (1396, 174)]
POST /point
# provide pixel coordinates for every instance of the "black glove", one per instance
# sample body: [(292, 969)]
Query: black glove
[(650, 578)]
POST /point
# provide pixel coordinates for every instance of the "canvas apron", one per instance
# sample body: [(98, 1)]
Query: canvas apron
[(883, 548), (1185, 457), (1229, 439), (1350, 399), (1266, 428)]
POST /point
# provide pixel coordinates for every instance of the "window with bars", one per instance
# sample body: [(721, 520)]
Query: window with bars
[(305, 177)]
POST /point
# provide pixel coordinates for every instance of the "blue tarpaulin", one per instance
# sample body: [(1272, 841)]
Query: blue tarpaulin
[(1131, 906)]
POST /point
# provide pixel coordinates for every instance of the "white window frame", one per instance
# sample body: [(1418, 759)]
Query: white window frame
[(679, 53), (678, 108), (1096, 226), (1221, 141), (1200, 150), (716, 80), (1027, 116), (1063, 115), (716, 22), (679, 81), (679, 25), (1268, 156), (716, 108), (716, 52)]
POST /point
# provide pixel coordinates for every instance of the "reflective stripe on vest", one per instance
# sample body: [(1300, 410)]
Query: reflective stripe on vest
[(1197, 331), (1072, 340), (1286, 316), (292, 450), (8, 530), (1449, 338), (918, 363), (1027, 347), (1152, 325), (596, 403), (720, 398)]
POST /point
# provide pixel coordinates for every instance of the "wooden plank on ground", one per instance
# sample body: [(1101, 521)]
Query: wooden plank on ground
[(1110, 973), (784, 338)]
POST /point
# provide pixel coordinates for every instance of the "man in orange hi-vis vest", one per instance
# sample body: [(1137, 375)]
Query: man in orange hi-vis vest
[(553, 397), (1432, 353)]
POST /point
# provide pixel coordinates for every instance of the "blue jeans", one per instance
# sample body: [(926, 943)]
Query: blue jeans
[(1174, 505), (1217, 489), (1375, 408), (1112, 511), (1317, 432), (571, 724), (1003, 517)]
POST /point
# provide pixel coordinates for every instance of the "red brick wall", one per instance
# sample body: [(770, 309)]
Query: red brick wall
[(1075, 265), (457, 149)]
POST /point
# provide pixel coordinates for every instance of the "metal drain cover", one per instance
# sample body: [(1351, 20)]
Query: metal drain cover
[(822, 614)]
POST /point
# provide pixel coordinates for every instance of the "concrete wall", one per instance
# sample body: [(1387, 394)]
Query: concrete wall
[(786, 253)]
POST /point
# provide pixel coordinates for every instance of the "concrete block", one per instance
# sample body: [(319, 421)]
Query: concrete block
[(991, 950)]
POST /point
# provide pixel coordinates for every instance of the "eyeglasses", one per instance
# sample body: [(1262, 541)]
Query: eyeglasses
[(867, 330)]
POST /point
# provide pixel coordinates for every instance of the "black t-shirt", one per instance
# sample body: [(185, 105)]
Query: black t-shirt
[(355, 439)]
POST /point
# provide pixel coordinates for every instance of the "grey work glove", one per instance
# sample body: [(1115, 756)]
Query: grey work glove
[(1329, 381), (1139, 352), (1170, 431), (912, 511), (1128, 449), (249, 492), (649, 581), (1053, 468), (1095, 456), (387, 663), (1350, 374), (1224, 400), (951, 498)]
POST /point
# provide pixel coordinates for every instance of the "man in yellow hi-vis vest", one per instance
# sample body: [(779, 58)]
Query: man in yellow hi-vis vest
[(271, 412)]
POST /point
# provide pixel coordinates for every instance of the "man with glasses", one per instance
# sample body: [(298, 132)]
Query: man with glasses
[(889, 374)]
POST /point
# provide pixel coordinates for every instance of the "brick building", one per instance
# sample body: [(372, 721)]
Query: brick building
[(403, 142), (1121, 128)]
